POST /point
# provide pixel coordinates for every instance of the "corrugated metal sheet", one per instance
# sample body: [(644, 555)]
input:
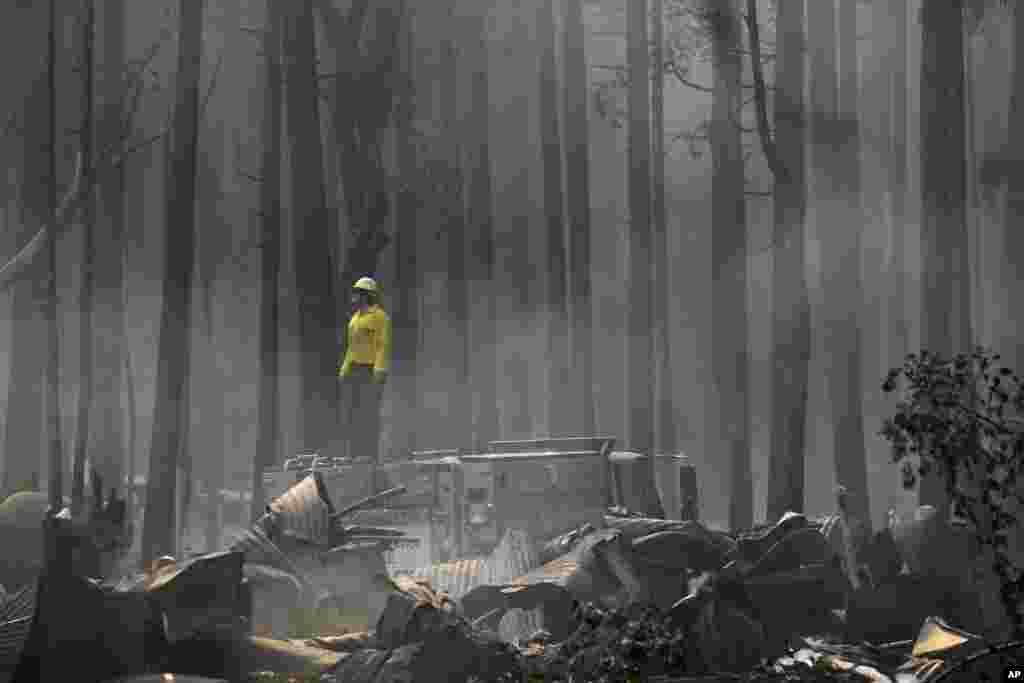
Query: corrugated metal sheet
[(303, 514), (15, 624), (455, 578), (513, 558), (20, 604)]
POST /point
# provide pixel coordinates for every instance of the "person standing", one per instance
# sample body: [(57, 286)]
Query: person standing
[(364, 369)]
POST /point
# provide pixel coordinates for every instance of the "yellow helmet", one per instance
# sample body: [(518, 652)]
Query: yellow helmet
[(366, 284)]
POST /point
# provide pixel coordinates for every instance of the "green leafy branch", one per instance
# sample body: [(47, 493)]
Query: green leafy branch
[(961, 417)]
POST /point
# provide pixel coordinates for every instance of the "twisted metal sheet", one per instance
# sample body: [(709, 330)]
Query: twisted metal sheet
[(303, 514)]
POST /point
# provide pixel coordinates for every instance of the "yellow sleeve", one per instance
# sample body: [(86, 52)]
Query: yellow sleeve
[(380, 363), (346, 361)]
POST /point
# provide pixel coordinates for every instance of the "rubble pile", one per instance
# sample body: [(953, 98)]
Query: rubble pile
[(638, 600)]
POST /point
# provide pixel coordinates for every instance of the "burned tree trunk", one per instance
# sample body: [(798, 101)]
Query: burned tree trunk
[(791, 332), (318, 314), (85, 389), (577, 166), (666, 431), (640, 336), (843, 292), (640, 410), (453, 225), (364, 88), (892, 25), (173, 351), (405, 301), (480, 218), (270, 258), (1014, 239), (729, 259), (945, 278), (551, 151), (55, 451), (109, 345), (23, 428)]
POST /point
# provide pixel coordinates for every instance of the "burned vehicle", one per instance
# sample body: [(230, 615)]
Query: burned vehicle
[(544, 487)]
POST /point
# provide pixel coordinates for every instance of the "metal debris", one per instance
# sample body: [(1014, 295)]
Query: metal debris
[(302, 513)]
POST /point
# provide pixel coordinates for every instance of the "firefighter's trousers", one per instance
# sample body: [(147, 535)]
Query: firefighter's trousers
[(361, 413)]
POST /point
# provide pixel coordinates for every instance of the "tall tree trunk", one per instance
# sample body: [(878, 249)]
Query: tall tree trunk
[(823, 92), (577, 166), (640, 336), (1014, 239), (640, 409), (366, 78), (551, 148), (23, 427), (454, 226), (85, 389), (270, 257), (729, 259), (791, 331), (843, 291), (896, 171), (318, 319), (945, 278), (484, 335), (56, 445), (405, 301), (109, 334), (666, 431), (169, 422)]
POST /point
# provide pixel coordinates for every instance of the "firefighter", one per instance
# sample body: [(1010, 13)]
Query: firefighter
[(364, 369)]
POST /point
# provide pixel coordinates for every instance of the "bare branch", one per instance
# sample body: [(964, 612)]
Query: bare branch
[(13, 268), (78, 190), (771, 154), (143, 63), (213, 83), (681, 77), (119, 159)]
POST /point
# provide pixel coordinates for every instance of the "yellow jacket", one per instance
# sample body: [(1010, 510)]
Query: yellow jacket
[(369, 340)]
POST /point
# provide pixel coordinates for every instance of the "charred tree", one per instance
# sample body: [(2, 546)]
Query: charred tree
[(405, 301), (791, 331), (364, 88), (945, 276), (666, 438), (551, 153), (23, 427), (318, 313), (1014, 240), (480, 218), (640, 418), (453, 226), (112, 118), (86, 334), (577, 166), (270, 258), (55, 451), (843, 294), (896, 172), (639, 351), (729, 258), (169, 418)]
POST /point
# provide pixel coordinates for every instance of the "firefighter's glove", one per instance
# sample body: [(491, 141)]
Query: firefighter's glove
[(380, 376)]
